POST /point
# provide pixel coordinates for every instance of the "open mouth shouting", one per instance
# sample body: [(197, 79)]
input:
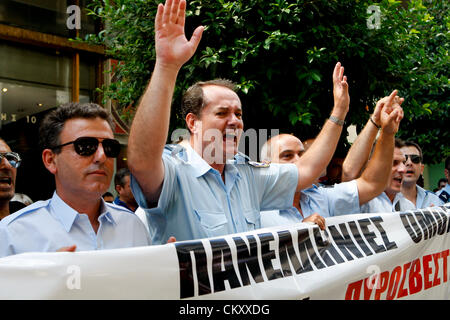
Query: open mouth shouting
[(6, 182), (397, 181), (230, 136)]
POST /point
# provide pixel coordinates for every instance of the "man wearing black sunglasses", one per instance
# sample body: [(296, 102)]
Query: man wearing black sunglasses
[(9, 162), (79, 150), (415, 197)]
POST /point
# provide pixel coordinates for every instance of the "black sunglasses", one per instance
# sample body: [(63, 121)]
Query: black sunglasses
[(12, 157), (87, 146), (414, 158)]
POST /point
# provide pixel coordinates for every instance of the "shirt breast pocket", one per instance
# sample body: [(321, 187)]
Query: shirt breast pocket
[(253, 219), (214, 223)]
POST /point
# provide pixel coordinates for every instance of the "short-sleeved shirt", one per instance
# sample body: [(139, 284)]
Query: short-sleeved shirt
[(274, 218), (382, 203), (340, 199), (195, 203), (52, 224), (424, 199), (444, 193)]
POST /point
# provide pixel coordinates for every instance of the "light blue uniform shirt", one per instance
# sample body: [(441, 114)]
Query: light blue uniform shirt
[(382, 203), (274, 218), (446, 195), (52, 224), (424, 199), (340, 199), (195, 203)]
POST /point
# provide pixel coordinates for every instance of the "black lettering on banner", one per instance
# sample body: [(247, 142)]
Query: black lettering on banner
[(443, 225), (303, 235), (221, 250), (411, 226), (388, 244), (421, 219), (248, 259), (286, 250), (267, 256), (306, 245), (344, 241), (328, 250), (445, 208), (184, 250), (358, 238), (431, 223), (370, 236)]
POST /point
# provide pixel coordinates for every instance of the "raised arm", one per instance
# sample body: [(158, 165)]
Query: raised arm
[(317, 157), (359, 152), (150, 126), (375, 176)]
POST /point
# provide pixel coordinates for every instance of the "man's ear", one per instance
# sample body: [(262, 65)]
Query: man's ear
[(49, 160), (422, 167), (118, 188), (191, 122)]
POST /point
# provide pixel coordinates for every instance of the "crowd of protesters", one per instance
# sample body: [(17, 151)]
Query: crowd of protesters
[(202, 186)]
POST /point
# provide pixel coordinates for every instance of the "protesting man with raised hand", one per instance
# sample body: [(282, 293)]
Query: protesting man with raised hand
[(316, 202), (357, 157), (207, 188)]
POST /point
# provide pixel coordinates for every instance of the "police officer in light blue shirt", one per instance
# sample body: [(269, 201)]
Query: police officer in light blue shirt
[(79, 150), (390, 199), (52, 224), (205, 189), (191, 185), (444, 193), (415, 197), (342, 198)]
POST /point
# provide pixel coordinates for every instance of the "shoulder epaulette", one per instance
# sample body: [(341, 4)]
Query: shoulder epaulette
[(444, 196)]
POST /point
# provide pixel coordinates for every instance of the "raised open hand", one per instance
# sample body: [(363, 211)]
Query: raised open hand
[(340, 89), (172, 47)]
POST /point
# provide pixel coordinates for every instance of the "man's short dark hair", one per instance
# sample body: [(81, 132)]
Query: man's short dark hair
[(53, 123), (399, 143), (410, 143), (120, 175), (193, 99), (447, 163), (107, 194)]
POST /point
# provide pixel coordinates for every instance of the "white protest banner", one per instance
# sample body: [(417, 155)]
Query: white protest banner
[(401, 255)]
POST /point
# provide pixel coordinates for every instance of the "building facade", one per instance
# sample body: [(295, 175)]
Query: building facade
[(41, 67)]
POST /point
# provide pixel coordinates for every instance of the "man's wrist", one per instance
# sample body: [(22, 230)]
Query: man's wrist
[(336, 120), (374, 123)]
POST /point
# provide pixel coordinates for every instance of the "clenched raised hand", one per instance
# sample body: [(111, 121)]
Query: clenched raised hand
[(391, 114)]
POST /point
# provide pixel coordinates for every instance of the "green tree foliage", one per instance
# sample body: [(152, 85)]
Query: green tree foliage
[(282, 53)]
